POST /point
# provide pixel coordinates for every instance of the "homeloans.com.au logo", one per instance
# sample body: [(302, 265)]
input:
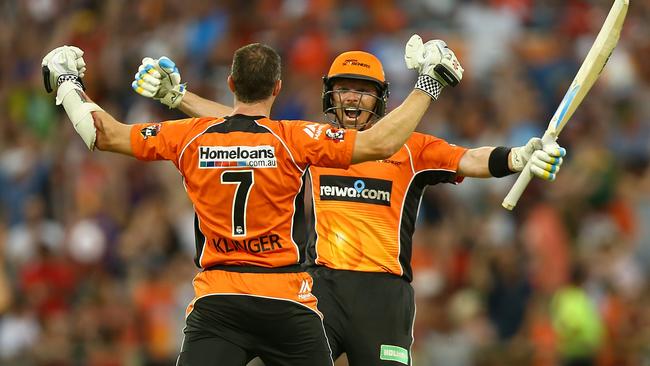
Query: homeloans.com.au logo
[(354, 189), (237, 156)]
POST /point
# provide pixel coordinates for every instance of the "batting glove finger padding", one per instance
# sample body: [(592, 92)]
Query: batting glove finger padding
[(542, 173), (63, 63), (160, 80), (545, 159), (545, 163)]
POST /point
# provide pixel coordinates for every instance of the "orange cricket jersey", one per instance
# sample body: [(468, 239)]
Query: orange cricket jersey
[(364, 217), (244, 176)]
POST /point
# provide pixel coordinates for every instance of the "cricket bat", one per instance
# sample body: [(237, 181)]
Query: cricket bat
[(589, 71)]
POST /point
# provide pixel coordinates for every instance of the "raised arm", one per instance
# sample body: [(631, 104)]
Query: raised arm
[(63, 69), (195, 106), (160, 79), (387, 136), (437, 67)]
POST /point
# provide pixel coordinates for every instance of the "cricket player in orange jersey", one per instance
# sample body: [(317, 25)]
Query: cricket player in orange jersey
[(360, 239), (244, 174)]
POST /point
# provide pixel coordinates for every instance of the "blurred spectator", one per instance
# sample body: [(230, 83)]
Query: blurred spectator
[(93, 248), (576, 322)]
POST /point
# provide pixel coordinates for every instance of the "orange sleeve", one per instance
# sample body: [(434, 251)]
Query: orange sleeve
[(160, 141), (319, 144), (431, 152)]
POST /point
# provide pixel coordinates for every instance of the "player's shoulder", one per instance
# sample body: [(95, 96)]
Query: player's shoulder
[(303, 128), (298, 123), (418, 138), (193, 122)]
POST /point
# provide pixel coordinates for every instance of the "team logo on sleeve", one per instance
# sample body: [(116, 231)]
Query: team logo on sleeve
[(262, 156), (150, 131), (335, 134), (354, 189)]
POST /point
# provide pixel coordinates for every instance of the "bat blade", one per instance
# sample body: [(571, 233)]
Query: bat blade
[(589, 71), (592, 66)]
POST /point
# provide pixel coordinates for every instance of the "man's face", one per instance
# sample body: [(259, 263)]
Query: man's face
[(354, 101)]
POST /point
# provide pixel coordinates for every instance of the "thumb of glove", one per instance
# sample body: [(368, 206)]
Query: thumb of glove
[(533, 145), (169, 67), (414, 52)]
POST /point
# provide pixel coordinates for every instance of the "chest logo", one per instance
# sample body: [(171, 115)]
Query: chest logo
[(355, 189)]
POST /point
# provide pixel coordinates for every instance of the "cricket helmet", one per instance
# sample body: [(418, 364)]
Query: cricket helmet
[(356, 65)]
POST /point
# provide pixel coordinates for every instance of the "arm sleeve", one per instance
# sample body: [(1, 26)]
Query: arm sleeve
[(160, 141), (319, 144), (431, 152)]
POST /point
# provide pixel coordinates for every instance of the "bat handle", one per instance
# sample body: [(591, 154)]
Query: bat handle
[(511, 199)]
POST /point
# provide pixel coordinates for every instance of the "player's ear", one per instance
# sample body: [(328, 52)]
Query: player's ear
[(231, 84), (277, 87)]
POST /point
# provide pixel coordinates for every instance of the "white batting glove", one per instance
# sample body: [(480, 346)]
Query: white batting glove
[(433, 58), (160, 80), (545, 159), (63, 63)]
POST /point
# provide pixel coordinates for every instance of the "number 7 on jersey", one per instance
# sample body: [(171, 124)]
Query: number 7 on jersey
[(244, 180)]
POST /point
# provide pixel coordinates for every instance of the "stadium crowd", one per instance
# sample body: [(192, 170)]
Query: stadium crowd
[(96, 250)]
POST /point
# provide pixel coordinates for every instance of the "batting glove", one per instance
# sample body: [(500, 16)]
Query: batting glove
[(63, 63), (545, 159), (160, 80), (435, 63)]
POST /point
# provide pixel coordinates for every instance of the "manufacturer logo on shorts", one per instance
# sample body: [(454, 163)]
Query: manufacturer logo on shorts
[(394, 353), (262, 156), (305, 290), (354, 189)]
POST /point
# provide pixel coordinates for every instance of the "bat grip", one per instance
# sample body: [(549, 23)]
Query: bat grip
[(511, 199)]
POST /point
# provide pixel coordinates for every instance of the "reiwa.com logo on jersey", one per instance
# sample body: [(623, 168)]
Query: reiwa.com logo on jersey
[(354, 189), (237, 156)]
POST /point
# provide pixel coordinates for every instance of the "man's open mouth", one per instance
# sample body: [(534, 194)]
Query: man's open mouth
[(352, 112)]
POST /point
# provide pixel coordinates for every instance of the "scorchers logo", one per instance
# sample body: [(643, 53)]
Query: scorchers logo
[(335, 134), (364, 190), (150, 131)]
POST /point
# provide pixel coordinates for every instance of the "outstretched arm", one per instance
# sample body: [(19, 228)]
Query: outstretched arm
[(112, 135), (387, 136), (474, 163), (63, 69), (97, 128), (485, 162), (195, 106)]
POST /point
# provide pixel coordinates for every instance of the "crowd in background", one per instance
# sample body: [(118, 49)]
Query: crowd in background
[(96, 249)]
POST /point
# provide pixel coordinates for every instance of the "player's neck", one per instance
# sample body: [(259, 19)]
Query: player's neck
[(261, 108)]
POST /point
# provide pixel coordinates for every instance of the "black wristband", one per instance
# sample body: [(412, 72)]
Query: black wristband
[(498, 162)]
